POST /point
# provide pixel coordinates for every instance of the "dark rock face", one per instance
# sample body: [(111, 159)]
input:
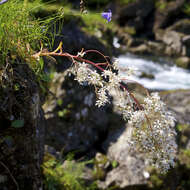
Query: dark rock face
[(74, 39), (136, 14), (76, 124), (164, 17), (182, 26), (21, 149)]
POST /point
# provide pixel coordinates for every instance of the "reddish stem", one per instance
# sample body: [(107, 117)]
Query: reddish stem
[(96, 51), (76, 57)]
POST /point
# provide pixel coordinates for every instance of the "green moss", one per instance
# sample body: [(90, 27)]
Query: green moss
[(182, 127), (161, 5), (130, 30), (184, 157), (47, 10), (183, 62), (155, 180), (186, 8), (125, 2), (64, 113), (114, 163), (172, 91), (99, 163), (65, 175)]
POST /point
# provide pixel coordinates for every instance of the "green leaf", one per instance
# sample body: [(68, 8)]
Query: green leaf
[(114, 163), (17, 123), (59, 102)]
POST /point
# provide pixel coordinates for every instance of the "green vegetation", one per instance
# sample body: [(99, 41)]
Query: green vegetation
[(96, 4), (161, 5), (94, 22), (126, 1), (114, 164), (182, 127), (19, 31), (22, 35), (17, 123), (186, 8), (99, 4), (66, 176), (130, 30)]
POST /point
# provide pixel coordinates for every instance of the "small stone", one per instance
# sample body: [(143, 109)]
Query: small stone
[(183, 62)]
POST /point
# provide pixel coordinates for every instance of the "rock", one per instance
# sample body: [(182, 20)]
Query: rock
[(181, 26), (178, 101), (141, 46), (21, 145), (146, 75), (74, 123), (168, 14), (141, 49), (51, 151), (173, 41), (186, 42), (131, 165), (183, 62), (159, 34), (136, 14), (156, 48), (177, 44), (135, 42)]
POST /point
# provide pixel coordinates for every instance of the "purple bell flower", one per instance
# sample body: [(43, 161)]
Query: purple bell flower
[(107, 15), (3, 1)]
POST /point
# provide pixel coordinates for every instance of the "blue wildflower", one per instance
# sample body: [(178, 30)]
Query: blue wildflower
[(107, 15), (3, 1)]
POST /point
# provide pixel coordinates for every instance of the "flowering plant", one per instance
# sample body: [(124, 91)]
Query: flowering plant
[(107, 15), (153, 126), (3, 1)]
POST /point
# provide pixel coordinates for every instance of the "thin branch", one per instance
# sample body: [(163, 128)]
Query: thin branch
[(17, 186)]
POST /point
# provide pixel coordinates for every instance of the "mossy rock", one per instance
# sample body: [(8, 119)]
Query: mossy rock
[(130, 30), (183, 62), (146, 75)]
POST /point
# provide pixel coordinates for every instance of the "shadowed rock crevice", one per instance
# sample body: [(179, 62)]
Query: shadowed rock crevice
[(22, 129)]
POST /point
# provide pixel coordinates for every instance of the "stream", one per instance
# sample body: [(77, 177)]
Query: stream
[(166, 75)]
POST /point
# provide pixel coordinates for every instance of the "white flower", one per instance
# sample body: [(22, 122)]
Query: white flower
[(115, 64), (153, 126), (113, 79), (102, 98), (81, 54)]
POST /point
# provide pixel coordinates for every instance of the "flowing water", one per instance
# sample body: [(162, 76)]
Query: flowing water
[(166, 75)]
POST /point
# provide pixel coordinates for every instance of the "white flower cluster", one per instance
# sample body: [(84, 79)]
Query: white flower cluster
[(155, 134), (84, 73), (153, 126)]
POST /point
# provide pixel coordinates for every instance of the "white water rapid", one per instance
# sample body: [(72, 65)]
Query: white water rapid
[(167, 76)]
